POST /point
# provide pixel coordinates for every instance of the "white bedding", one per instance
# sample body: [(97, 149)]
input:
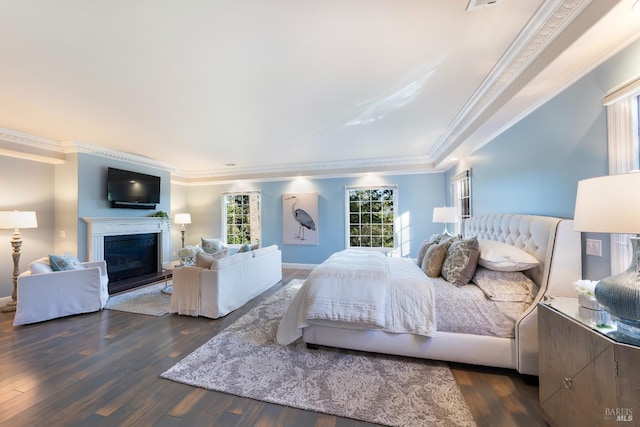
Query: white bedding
[(408, 300), (349, 287)]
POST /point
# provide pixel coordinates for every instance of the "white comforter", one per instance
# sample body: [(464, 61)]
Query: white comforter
[(363, 290)]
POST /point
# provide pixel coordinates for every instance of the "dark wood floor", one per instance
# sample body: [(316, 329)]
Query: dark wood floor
[(103, 368)]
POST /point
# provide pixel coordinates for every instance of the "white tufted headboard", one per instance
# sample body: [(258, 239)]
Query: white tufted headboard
[(550, 240), (554, 243)]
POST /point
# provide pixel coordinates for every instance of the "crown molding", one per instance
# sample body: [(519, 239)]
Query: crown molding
[(81, 147), (325, 170), (28, 140), (26, 146), (23, 145), (548, 22)]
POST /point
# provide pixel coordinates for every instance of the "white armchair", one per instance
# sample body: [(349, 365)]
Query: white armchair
[(50, 294)]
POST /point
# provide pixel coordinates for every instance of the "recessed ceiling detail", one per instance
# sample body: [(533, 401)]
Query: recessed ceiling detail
[(541, 30), (283, 89)]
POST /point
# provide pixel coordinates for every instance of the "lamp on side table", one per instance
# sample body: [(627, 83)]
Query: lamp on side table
[(445, 215), (610, 204)]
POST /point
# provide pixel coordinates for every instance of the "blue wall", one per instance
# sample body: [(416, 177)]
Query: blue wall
[(92, 193), (534, 167), (418, 194)]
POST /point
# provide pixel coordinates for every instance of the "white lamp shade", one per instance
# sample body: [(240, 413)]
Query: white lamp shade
[(18, 219), (182, 218), (445, 215), (608, 204)]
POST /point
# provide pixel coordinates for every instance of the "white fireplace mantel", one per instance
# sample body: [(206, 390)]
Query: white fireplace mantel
[(98, 227)]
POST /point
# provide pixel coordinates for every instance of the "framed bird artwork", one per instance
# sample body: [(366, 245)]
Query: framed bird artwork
[(300, 219)]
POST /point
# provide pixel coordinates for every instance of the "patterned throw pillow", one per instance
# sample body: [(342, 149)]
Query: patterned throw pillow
[(64, 262), (422, 251), (461, 261), (434, 258), (205, 260), (211, 246)]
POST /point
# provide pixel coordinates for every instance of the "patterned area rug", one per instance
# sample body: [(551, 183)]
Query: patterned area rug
[(245, 360), (147, 300)]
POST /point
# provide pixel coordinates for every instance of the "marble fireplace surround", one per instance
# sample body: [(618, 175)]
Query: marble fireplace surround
[(99, 227)]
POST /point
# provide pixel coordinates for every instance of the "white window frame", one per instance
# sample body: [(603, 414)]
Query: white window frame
[(255, 232), (461, 196), (624, 153), (347, 220)]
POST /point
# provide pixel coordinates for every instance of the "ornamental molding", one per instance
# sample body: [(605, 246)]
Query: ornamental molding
[(414, 163), (50, 150), (26, 139), (547, 24)]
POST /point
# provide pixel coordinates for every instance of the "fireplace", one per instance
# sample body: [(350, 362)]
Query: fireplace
[(133, 247), (131, 255)]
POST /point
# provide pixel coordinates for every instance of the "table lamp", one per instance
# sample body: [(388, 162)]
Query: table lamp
[(445, 215), (610, 204)]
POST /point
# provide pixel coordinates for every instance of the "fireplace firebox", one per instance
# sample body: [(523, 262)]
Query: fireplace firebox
[(130, 259)]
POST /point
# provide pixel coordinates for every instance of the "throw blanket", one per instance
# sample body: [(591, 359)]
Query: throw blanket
[(349, 287), (405, 293), (185, 298)]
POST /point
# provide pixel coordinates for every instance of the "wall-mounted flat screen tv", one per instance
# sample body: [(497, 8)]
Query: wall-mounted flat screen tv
[(127, 189)]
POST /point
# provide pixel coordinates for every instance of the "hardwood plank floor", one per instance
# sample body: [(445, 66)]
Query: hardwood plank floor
[(103, 369)]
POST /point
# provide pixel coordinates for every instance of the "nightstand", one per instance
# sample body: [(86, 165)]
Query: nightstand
[(588, 374)]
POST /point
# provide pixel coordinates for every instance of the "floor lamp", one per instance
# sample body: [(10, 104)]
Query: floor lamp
[(16, 220), (182, 219)]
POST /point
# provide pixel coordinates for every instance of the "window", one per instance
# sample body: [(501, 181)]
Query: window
[(461, 195), (624, 153), (241, 218), (370, 217)]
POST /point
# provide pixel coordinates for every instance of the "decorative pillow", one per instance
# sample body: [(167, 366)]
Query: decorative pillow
[(434, 258), (205, 260), (245, 248), (500, 256), (422, 251), (40, 266), (263, 251), (64, 262), (461, 261), (212, 245), (511, 286)]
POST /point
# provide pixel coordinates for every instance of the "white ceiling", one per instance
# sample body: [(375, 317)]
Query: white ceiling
[(284, 87)]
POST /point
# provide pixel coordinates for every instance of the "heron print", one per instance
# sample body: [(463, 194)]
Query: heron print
[(299, 220)]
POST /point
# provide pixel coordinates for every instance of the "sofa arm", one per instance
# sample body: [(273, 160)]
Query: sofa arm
[(60, 293), (102, 265)]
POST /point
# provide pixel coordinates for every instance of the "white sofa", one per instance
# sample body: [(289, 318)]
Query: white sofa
[(49, 295), (229, 284)]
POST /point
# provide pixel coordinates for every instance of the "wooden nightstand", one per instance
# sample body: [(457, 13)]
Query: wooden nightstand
[(588, 375)]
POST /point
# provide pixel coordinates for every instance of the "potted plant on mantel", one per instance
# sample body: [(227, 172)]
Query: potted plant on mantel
[(163, 216)]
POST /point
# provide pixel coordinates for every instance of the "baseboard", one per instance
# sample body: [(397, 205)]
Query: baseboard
[(4, 301), (299, 266)]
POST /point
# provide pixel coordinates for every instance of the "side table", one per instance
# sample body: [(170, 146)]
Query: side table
[(167, 269), (588, 372)]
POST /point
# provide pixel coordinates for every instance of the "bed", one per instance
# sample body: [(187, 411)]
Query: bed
[(443, 335)]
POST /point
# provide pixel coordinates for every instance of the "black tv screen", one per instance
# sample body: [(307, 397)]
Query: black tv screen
[(126, 187)]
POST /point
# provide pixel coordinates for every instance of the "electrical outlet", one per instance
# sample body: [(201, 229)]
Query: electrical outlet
[(63, 234), (594, 247)]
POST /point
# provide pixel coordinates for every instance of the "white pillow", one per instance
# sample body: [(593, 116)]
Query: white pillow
[(40, 266), (500, 256)]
